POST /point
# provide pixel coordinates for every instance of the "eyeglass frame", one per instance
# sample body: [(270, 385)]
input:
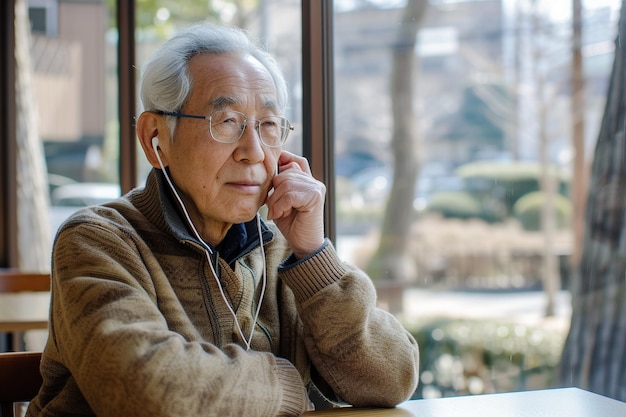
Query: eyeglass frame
[(245, 124)]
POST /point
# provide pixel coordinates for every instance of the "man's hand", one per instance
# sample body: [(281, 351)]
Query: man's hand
[(297, 205)]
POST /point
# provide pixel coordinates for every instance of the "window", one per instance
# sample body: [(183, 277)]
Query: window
[(75, 99), (440, 197), (43, 16)]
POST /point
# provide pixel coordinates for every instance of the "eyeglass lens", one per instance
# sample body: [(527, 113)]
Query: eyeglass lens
[(228, 126)]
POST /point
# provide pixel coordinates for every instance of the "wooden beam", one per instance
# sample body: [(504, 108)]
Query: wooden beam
[(127, 95), (318, 101), (8, 145)]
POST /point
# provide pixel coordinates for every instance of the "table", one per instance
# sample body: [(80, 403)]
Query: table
[(24, 303), (562, 402)]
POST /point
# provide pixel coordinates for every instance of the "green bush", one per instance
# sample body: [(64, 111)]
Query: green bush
[(506, 181), (464, 205), (454, 204), (349, 213), (528, 211), (463, 356)]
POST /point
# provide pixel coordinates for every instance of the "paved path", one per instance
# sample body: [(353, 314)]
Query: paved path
[(518, 306)]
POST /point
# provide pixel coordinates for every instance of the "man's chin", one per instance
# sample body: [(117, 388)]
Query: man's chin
[(247, 215)]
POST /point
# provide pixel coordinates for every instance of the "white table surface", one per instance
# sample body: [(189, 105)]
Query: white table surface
[(562, 402)]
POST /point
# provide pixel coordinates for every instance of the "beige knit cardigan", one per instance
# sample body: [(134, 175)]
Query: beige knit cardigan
[(138, 326)]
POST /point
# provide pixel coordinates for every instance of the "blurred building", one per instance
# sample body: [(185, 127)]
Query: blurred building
[(476, 78), (68, 57)]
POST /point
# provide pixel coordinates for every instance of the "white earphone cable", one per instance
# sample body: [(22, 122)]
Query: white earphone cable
[(209, 252), (180, 201)]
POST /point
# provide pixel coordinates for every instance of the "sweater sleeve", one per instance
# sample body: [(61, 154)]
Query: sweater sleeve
[(110, 333), (361, 351)]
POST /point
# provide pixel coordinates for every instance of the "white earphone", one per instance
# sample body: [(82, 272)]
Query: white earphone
[(209, 252)]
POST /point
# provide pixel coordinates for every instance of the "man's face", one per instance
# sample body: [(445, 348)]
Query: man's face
[(220, 183)]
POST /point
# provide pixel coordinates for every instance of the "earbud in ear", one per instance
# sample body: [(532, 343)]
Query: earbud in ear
[(155, 146)]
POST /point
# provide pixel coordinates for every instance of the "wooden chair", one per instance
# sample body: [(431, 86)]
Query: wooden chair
[(20, 379), (13, 281)]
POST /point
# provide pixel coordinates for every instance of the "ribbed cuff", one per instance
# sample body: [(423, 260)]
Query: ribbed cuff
[(295, 400), (307, 277)]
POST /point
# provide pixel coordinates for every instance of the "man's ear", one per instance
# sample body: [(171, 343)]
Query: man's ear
[(149, 126)]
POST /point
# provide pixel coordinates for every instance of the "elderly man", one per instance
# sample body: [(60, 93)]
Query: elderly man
[(179, 300)]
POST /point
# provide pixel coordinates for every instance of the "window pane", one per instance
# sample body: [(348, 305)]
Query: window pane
[(450, 144), (275, 22), (65, 84), (75, 92)]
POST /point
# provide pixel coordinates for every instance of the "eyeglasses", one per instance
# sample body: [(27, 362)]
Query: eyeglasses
[(227, 126)]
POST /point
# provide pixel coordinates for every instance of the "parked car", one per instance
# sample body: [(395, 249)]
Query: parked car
[(81, 194), (66, 199), (372, 185)]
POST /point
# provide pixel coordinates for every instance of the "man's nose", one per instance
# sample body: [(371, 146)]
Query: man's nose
[(251, 143)]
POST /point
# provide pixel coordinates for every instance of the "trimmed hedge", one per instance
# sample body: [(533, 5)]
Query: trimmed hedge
[(466, 205), (528, 211), (458, 204), (507, 181), (463, 356)]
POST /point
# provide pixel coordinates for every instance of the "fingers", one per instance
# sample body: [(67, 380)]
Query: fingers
[(289, 160), (296, 204), (294, 190), (292, 186)]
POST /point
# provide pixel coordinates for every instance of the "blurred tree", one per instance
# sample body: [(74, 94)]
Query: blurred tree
[(544, 98), (393, 261), (153, 13), (594, 356), (34, 241), (578, 105), (162, 16), (483, 116)]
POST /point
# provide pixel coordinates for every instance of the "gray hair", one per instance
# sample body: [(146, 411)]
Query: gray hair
[(165, 82)]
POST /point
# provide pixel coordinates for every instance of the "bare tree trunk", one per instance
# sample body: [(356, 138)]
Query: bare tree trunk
[(393, 262), (551, 278), (34, 241), (594, 356), (549, 181), (578, 188)]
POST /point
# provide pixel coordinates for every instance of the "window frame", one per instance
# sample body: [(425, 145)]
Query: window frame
[(8, 151)]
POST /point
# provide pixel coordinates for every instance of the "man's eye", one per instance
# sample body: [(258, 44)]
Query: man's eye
[(268, 123)]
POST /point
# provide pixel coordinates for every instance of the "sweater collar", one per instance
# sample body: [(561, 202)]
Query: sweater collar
[(239, 240)]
